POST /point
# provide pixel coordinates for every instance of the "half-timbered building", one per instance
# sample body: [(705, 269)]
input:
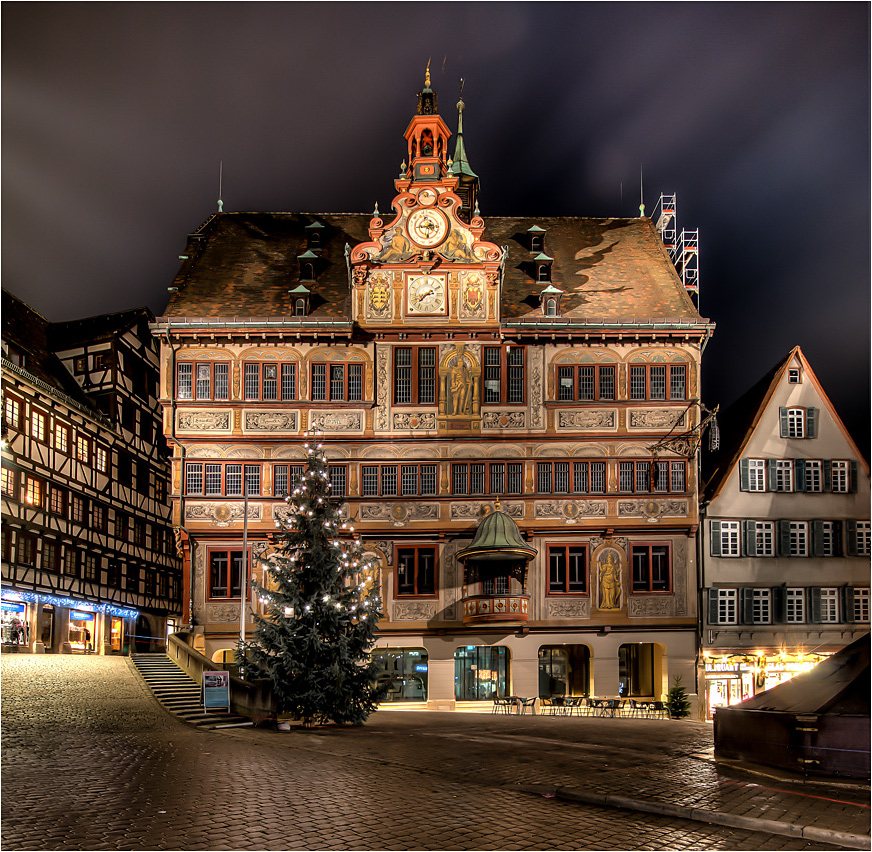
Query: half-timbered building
[(492, 394), (89, 556)]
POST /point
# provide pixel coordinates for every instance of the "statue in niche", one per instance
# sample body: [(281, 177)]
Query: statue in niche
[(459, 380), (609, 582)]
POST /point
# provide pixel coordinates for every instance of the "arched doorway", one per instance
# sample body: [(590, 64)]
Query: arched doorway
[(564, 670)]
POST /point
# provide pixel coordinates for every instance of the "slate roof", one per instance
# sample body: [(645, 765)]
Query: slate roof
[(614, 270), (30, 333)]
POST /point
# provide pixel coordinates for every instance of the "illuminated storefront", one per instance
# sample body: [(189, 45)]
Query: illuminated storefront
[(732, 678), (481, 672), (49, 623)]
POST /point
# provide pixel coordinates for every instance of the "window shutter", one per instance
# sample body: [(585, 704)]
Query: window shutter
[(713, 606), (783, 543), (847, 604), (799, 474), (827, 484), (817, 538), (744, 476), (853, 483), (782, 419), (779, 604), (811, 420), (715, 532), (837, 539), (851, 538), (814, 602), (749, 538), (746, 614), (770, 474)]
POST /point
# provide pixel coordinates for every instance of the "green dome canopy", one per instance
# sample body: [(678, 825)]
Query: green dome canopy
[(497, 537)]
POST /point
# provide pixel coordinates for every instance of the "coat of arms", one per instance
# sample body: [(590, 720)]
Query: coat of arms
[(473, 291), (379, 291)]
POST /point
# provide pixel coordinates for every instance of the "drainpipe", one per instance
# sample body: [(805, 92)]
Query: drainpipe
[(187, 573)]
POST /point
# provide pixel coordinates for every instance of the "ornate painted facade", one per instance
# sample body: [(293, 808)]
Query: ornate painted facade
[(453, 364)]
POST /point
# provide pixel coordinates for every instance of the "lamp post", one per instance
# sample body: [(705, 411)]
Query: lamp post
[(244, 569)]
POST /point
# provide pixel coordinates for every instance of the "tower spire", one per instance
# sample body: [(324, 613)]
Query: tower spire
[(467, 187)]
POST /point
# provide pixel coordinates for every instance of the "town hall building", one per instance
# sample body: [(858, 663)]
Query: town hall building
[(509, 406)]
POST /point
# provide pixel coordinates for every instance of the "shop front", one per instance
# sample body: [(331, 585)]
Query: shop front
[(48, 623), (14, 623), (404, 671), (732, 678), (82, 628)]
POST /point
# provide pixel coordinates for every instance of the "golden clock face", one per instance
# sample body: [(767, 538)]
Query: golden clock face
[(427, 228), (426, 294)]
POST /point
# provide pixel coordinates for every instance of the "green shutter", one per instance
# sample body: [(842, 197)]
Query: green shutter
[(713, 606), (847, 604), (770, 474), (715, 533), (852, 485), (814, 605), (746, 606), (811, 422), (799, 474), (782, 419), (817, 538), (779, 605), (749, 538), (783, 543), (744, 476), (851, 538)]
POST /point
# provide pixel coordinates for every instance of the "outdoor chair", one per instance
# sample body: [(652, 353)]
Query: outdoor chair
[(502, 705)]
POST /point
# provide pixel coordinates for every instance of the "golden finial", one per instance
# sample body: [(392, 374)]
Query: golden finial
[(427, 76)]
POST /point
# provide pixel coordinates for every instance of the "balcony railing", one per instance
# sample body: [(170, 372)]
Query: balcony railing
[(496, 609)]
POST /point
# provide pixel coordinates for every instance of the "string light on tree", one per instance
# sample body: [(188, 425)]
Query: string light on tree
[(315, 634)]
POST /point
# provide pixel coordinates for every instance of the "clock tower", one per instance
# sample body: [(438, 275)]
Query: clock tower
[(429, 266)]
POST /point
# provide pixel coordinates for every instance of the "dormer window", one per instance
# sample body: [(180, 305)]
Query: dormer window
[(313, 235), (307, 265), (550, 301), (537, 238), (300, 300), (543, 267)]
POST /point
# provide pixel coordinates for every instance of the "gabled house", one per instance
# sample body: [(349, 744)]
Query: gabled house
[(785, 538)]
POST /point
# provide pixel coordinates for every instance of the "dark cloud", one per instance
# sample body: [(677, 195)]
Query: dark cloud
[(116, 116)]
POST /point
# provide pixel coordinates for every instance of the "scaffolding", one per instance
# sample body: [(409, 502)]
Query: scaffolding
[(683, 246)]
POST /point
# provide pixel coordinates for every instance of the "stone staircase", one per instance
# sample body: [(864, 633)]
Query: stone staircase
[(179, 693)]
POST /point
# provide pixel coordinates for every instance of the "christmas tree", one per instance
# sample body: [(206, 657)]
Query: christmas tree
[(677, 702), (319, 613)]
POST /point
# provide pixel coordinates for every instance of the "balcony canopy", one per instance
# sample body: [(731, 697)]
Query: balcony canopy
[(497, 538)]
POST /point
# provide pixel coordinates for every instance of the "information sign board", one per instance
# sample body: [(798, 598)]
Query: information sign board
[(216, 690)]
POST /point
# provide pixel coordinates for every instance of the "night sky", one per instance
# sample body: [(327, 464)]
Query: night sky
[(116, 116)]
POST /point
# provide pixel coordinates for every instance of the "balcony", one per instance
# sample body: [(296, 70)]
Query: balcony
[(506, 609)]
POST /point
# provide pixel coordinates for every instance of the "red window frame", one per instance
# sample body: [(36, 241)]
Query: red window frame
[(228, 585), (649, 547), (13, 411), (416, 372), (9, 483), (67, 440), (417, 581), (553, 592), (86, 443), (596, 373), (37, 415), (504, 368), (34, 491)]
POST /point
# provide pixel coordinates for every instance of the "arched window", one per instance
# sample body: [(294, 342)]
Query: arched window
[(308, 272), (535, 242), (544, 272), (300, 308), (314, 239), (551, 308)]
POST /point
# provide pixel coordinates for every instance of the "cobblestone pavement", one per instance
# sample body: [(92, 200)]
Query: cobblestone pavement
[(91, 761)]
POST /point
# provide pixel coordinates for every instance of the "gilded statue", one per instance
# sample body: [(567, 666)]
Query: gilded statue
[(609, 583)]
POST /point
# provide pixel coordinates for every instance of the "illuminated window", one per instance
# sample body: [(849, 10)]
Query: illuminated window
[(38, 422), (62, 438)]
